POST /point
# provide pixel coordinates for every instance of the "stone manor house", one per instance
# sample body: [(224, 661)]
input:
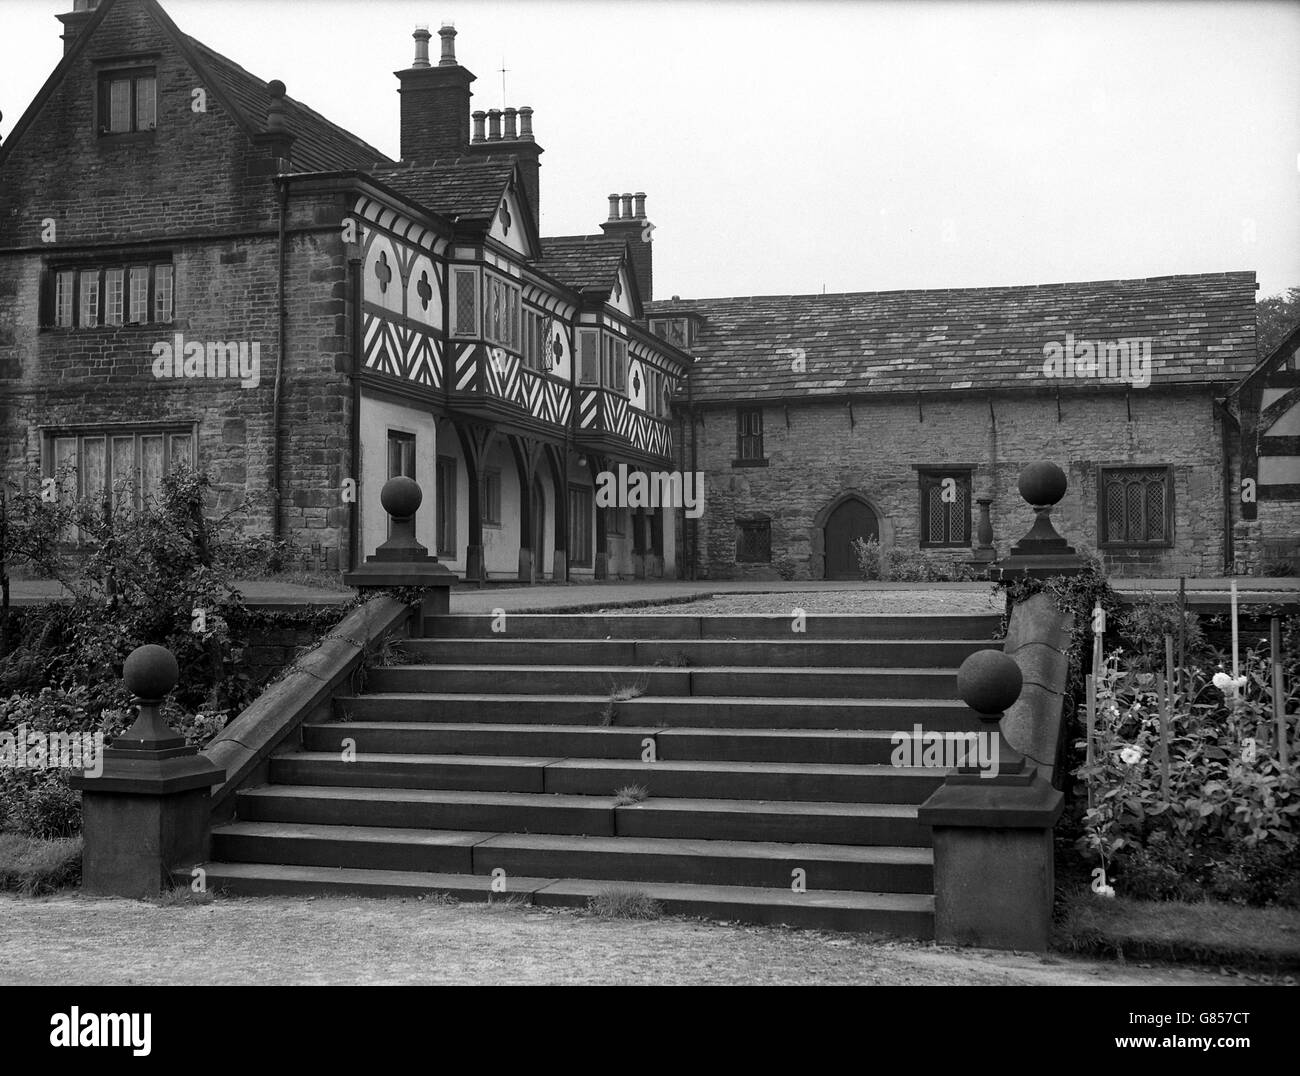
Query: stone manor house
[(197, 268)]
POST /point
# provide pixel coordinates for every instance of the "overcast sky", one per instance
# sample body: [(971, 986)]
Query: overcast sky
[(796, 147)]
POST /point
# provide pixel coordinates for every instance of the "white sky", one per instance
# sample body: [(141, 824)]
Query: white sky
[(791, 147)]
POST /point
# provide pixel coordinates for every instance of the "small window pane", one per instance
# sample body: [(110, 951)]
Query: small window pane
[(123, 473), (139, 294), (146, 105), (89, 298), (182, 449), (119, 105), (92, 469), (63, 298), (162, 283), (114, 287), (151, 465)]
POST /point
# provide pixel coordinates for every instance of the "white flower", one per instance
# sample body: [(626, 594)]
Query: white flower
[(1130, 756), (1224, 682), (1106, 891)]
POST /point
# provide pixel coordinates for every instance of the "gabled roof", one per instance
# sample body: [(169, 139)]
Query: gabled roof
[(1271, 363), (587, 263), (470, 187), (320, 146), (1202, 331)]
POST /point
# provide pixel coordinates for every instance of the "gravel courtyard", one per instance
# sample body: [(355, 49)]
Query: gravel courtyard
[(79, 940)]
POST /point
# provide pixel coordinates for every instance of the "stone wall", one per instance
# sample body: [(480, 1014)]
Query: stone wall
[(816, 452)]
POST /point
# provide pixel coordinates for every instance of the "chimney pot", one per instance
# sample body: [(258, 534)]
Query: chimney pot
[(480, 118), (627, 207), (526, 124), (613, 207), (639, 198), (494, 125), (421, 36), (510, 133), (448, 35)]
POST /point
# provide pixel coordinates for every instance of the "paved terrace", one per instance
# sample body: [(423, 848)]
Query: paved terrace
[(1208, 595)]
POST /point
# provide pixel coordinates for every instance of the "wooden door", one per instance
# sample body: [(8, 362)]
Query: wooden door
[(850, 520)]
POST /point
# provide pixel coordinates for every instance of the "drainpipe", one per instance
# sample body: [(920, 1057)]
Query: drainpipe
[(356, 555), (282, 337), (694, 524)]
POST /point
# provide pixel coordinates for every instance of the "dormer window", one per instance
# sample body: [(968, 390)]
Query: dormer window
[(128, 101), (677, 331)]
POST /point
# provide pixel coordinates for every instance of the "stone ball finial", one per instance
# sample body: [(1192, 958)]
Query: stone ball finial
[(1042, 483), (275, 88), (989, 681), (151, 671), (401, 496)]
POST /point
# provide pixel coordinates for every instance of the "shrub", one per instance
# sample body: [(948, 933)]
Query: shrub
[(621, 903), (910, 565), (33, 866)]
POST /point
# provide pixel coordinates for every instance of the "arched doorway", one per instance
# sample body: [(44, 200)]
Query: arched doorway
[(849, 520)]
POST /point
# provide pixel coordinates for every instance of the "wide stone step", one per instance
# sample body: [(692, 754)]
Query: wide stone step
[(600, 777), (627, 681), (707, 712), (834, 746), (896, 913), (782, 821), (692, 653), (747, 863), (777, 626)]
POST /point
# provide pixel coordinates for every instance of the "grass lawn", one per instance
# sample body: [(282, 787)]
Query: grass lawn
[(73, 939), (31, 866), (1171, 930)]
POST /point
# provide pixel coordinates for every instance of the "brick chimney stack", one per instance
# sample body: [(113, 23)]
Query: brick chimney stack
[(510, 132), (75, 21), (435, 100), (627, 220)]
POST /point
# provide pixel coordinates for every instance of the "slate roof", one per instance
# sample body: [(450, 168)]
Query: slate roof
[(468, 187), (585, 263), (1202, 329), (321, 146)]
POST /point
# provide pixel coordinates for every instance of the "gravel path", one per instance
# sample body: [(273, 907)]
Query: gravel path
[(68, 940), (893, 602)]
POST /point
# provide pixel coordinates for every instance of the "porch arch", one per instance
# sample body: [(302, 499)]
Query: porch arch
[(817, 533)]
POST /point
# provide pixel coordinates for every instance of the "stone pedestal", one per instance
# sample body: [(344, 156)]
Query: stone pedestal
[(402, 561), (992, 831), (1042, 552), (148, 813)]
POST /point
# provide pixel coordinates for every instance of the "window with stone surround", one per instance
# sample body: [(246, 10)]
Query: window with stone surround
[(128, 101), (107, 295), (754, 540), (945, 507), (121, 464), (749, 435), (1135, 506)]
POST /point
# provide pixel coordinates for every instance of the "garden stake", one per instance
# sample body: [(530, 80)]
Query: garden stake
[(1279, 697), (1166, 715), (1182, 629), (1092, 710), (1236, 691)]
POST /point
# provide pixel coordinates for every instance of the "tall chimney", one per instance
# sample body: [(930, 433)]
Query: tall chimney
[(514, 141), (636, 230), (75, 21), (435, 101)]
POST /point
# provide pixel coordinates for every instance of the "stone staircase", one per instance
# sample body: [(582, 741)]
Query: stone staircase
[(494, 759)]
